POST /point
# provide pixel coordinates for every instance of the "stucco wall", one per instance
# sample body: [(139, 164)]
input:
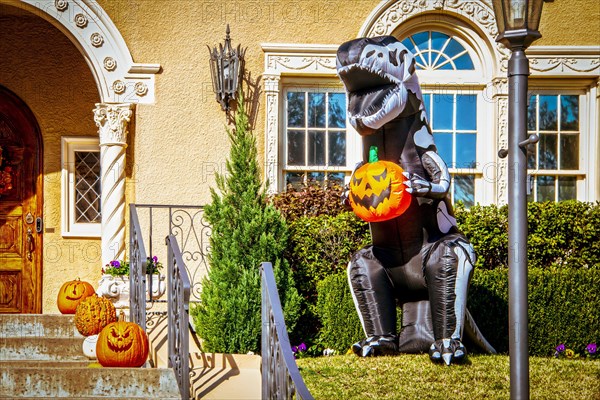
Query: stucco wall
[(42, 67)]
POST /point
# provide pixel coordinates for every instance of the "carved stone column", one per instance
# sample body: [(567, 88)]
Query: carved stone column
[(112, 121), (500, 98), (271, 83)]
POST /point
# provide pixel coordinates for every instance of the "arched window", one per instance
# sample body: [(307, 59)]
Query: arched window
[(438, 51), (452, 80)]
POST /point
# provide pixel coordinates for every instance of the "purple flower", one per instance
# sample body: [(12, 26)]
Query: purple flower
[(294, 349), (154, 259), (302, 347), (591, 348), (560, 348), (115, 264)]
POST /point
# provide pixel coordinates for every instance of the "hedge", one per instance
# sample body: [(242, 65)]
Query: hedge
[(564, 234), (564, 307)]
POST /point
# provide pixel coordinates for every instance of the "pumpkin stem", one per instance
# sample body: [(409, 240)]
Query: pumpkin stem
[(122, 316), (373, 154)]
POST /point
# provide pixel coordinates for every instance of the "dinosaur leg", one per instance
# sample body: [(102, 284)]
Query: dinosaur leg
[(375, 302), (448, 271), (417, 331)]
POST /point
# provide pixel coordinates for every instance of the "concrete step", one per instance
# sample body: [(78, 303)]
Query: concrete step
[(47, 363), (41, 349), (37, 325), (88, 383)]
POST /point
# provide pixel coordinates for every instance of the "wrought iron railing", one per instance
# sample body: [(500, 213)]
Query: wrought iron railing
[(188, 225), (137, 273), (280, 376), (178, 289)]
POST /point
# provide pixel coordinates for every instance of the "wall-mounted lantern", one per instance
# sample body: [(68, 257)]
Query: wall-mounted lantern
[(226, 68)]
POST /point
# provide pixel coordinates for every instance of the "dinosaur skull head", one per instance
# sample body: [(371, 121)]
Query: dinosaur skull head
[(378, 74)]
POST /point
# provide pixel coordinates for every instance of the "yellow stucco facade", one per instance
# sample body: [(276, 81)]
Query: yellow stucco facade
[(177, 142)]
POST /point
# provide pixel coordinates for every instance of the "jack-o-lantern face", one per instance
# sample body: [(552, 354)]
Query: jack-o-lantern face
[(71, 294), (377, 192), (122, 344)]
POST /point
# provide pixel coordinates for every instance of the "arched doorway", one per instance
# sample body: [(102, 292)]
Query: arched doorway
[(20, 207)]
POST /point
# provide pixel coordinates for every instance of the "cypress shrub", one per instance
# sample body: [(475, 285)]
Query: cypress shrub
[(245, 232), (563, 308)]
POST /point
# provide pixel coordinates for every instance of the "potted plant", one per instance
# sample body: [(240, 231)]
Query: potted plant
[(114, 283)]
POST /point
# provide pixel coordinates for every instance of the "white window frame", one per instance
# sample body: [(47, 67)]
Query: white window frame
[(581, 174), (353, 142), (70, 145)]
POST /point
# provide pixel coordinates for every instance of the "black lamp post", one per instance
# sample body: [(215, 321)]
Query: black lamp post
[(518, 22), (226, 64)]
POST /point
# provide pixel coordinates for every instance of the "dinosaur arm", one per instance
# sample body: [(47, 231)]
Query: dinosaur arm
[(438, 186)]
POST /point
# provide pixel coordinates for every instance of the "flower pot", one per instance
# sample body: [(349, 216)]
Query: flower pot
[(116, 289), (158, 286)]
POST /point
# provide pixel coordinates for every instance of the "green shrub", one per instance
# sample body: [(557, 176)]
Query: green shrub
[(340, 324), (564, 307), (245, 232), (319, 247), (563, 234)]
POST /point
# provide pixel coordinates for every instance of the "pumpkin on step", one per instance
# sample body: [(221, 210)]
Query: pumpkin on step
[(122, 344), (93, 314), (71, 294)]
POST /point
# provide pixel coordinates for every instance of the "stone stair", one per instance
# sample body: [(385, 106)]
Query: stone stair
[(41, 357)]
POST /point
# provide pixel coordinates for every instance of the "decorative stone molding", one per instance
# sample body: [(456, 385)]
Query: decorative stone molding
[(300, 59), (83, 17), (118, 87), (500, 98), (112, 120), (271, 87), (81, 21), (96, 39), (110, 64), (61, 5), (564, 60), (388, 15), (141, 88)]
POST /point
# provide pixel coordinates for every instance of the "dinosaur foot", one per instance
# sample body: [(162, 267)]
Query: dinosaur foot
[(376, 346), (447, 351)]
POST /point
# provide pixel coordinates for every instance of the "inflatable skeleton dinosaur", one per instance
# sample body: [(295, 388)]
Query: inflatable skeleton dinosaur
[(419, 258)]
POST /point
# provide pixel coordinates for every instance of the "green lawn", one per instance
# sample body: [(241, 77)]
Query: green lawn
[(415, 377)]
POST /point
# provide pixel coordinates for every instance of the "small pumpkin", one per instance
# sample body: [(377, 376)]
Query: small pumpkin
[(377, 191), (71, 294), (122, 344), (93, 314)]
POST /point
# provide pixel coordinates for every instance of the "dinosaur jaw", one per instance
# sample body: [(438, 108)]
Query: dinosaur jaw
[(374, 97)]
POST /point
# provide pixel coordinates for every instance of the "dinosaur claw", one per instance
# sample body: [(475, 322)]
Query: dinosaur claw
[(447, 350), (447, 358)]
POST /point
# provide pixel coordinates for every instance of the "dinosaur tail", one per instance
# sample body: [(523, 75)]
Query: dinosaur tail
[(472, 332)]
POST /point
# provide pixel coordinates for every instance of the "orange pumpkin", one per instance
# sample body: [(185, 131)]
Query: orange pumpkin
[(71, 294), (122, 344), (93, 314), (377, 191)]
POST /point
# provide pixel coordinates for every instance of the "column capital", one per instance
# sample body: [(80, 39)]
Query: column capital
[(271, 82), (112, 120)]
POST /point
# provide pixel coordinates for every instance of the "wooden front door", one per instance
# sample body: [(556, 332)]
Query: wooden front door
[(20, 207)]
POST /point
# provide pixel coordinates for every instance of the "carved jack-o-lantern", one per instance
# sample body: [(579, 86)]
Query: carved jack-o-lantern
[(377, 192), (122, 344), (93, 314), (71, 294)]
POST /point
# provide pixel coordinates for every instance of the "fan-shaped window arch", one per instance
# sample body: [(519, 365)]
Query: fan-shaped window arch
[(435, 50)]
